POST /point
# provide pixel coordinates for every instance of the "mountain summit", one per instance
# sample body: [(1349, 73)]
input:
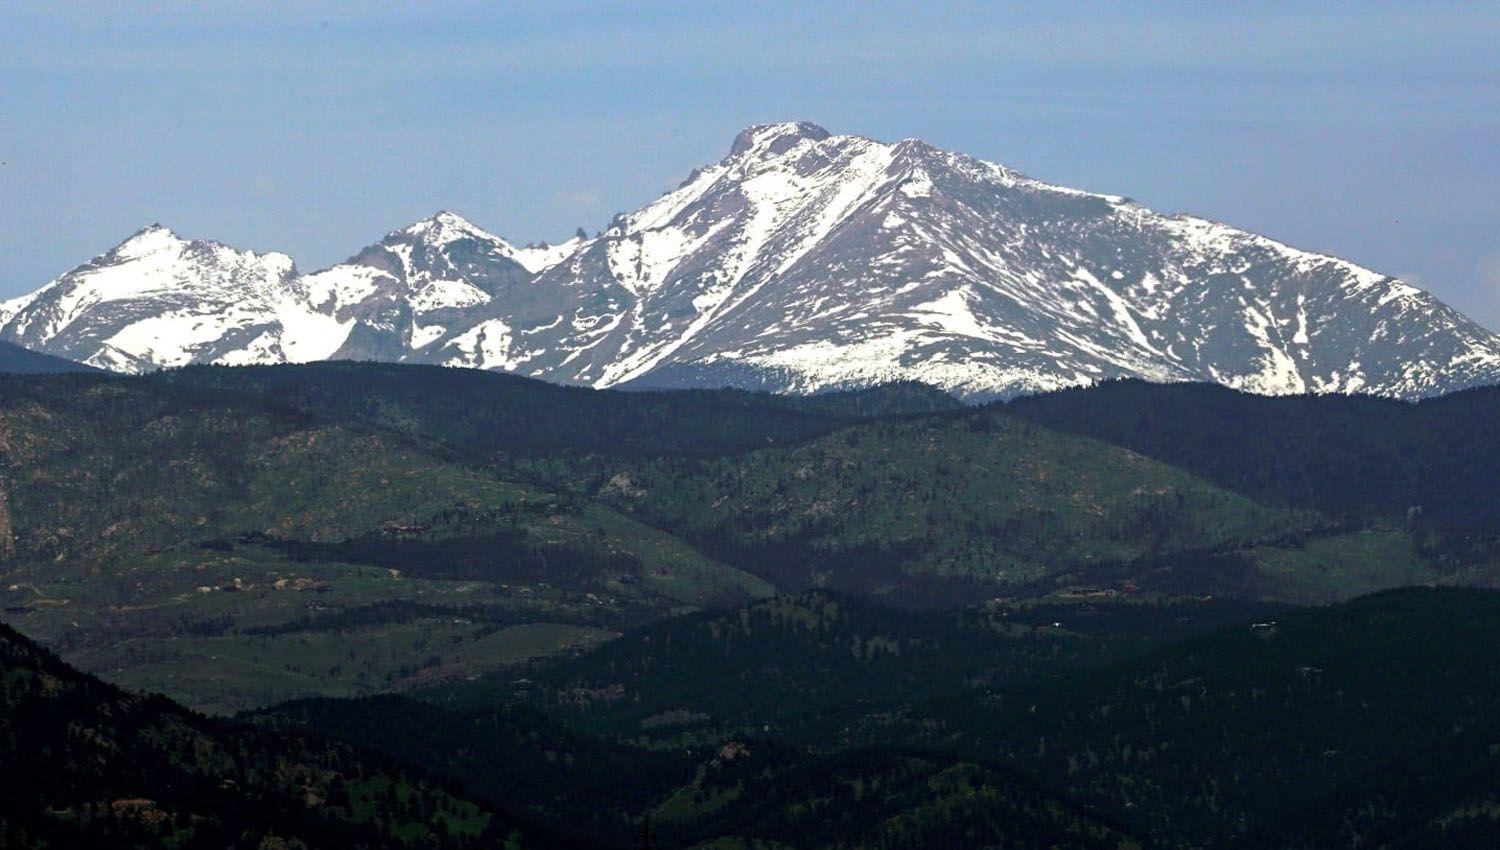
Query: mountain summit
[(780, 136), (801, 261)]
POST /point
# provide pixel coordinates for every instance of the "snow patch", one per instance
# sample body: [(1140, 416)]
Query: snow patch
[(539, 258), (487, 345), (447, 294)]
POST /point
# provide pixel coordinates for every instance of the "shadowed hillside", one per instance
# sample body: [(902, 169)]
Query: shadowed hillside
[(14, 358), (1436, 461), (88, 765)]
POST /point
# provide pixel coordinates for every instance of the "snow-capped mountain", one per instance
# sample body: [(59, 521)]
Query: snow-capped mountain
[(407, 290), (799, 262), (160, 300)]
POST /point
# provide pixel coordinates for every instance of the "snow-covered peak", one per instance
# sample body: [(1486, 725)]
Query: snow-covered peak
[(775, 138), (155, 258), (444, 227), (151, 239), (801, 261), (156, 253), (806, 260), (154, 300)]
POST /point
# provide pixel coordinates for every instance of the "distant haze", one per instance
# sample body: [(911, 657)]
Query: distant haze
[(1369, 131)]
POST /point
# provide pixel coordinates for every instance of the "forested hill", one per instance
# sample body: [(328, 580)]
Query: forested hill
[(821, 722), (488, 412), (1348, 456), (1437, 460), (861, 620), (89, 765), (1368, 724), (406, 524)]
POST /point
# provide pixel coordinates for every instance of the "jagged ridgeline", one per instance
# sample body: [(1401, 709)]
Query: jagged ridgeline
[(802, 261)]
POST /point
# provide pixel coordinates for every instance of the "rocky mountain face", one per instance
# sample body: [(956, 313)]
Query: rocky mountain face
[(159, 300), (802, 261)]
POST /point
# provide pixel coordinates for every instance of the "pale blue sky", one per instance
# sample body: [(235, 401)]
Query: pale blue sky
[(1366, 130)]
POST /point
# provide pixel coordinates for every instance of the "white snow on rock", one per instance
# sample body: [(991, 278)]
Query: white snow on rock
[(801, 261), (537, 258)]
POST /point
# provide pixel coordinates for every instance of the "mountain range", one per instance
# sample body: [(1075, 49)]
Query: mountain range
[(802, 261)]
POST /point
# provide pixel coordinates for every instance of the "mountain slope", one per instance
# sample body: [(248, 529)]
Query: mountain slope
[(1433, 463), (802, 261), (411, 287), (892, 487), (505, 753), (803, 667), (486, 414), (805, 260), (229, 551), (1370, 723), (14, 358), (160, 300), (1367, 724), (935, 510), (754, 794), (88, 765)]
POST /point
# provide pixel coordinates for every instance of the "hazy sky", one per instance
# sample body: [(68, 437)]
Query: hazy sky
[(1367, 130)]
